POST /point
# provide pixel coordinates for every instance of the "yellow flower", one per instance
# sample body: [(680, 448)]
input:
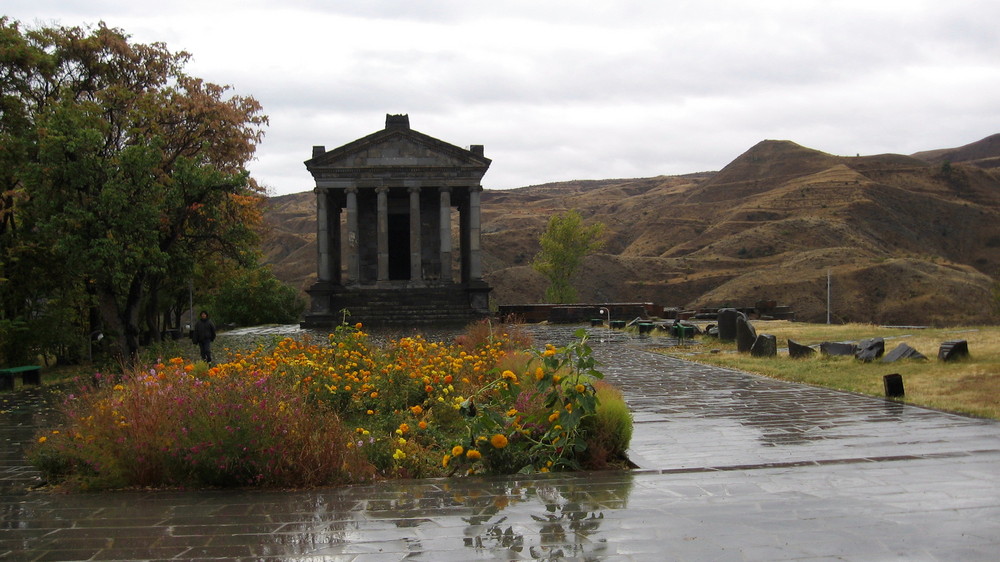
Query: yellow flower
[(43, 439), (358, 326), (580, 388), (509, 375), (556, 378), (539, 374), (554, 416), (550, 350), (399, 455), (456, 450), (512, 412), (473, 454), (445, 460), (569, 407), (498, 441)]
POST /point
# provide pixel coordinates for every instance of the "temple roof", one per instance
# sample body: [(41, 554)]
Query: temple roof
[(398, 151)]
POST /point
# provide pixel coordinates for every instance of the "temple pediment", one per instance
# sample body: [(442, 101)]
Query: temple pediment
[(398, 147)]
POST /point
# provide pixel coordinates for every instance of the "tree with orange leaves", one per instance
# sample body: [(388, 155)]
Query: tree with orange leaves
[(121, 175)]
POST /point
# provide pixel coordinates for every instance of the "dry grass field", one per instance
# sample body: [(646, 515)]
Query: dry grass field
[(970, 386)]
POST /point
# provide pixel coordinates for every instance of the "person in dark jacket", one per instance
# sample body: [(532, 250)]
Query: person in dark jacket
[(204, 335)]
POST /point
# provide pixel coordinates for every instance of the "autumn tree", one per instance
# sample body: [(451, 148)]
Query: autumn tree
[(564, 244), (120, 174)]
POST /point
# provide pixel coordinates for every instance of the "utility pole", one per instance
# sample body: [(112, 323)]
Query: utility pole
[(828, 296)]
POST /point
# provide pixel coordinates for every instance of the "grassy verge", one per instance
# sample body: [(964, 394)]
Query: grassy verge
[(970, 386)]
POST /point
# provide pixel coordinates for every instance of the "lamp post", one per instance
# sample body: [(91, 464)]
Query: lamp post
[(604, 310)]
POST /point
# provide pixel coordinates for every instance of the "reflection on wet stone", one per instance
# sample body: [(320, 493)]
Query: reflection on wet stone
[(564, 520)]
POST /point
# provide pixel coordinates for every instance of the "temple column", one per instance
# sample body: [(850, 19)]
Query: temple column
[(382, 233), (353, 260), (323, 236), (444, 233), (416, 253), (475, 254)]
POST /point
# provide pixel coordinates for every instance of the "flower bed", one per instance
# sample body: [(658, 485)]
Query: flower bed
[(307, 413)]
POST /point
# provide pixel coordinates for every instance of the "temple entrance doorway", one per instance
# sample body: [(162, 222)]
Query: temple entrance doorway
[(399, 247)]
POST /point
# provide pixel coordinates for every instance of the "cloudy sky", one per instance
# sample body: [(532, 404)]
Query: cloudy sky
[(561, 90)]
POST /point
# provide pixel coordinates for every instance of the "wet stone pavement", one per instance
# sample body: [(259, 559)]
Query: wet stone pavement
[(732, 467)]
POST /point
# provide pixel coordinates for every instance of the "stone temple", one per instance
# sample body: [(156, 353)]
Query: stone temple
[(398, 230)]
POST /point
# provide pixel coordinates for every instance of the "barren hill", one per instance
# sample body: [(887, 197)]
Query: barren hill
[(905, 239)]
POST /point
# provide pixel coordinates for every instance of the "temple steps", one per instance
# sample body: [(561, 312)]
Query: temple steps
[(393, 307)]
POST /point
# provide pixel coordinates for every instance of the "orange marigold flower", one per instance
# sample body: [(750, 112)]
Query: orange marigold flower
[(417, 410), (457, 450), (422, 425), (404, 427), (429, 388), (358, 326), (499, 441), (473, 454)]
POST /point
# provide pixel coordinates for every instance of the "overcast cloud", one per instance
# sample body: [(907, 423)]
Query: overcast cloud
[(563, 90)]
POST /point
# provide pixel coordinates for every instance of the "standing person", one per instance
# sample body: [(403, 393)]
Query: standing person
[(204, 335)]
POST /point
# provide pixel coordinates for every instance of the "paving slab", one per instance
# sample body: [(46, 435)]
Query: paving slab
[(732, 467)]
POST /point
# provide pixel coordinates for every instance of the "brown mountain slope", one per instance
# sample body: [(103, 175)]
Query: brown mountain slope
[(904, 240), (983, 153)]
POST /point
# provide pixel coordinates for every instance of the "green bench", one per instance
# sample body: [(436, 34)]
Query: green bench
[(30, 374)]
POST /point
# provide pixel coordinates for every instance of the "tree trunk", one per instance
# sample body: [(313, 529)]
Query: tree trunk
[(130, 317)]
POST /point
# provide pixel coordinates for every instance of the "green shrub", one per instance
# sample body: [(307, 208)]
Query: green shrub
[(253, 297), (609, 430)]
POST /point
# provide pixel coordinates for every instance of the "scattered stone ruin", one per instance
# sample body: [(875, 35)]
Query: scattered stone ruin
[(386, 208)]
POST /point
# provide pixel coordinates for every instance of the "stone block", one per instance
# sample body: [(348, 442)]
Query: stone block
[(870, 350), (838, 348), (893, 386), (745, 334), (902, 351), (765, 345), (953, 350), (726, 319), (799, 351)]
